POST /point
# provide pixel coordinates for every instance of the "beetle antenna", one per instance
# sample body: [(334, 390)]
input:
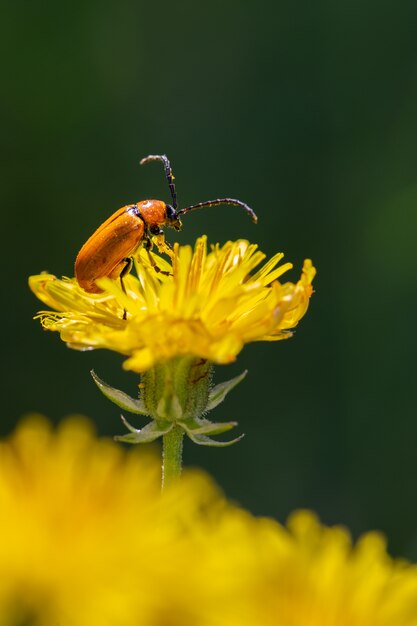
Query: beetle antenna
[(232, 201), (168, 173)]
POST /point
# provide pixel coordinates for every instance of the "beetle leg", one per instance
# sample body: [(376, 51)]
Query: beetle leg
[(147, 241), (163, 245), (157, 235), (155, 266), (127, 268), (123, 273)]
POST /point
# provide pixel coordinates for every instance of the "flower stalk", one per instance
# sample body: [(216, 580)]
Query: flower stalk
[(172, 456)]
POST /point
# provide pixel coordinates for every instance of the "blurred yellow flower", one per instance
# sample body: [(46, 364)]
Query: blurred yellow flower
[(87, 538), (209, 306), (310, 575)]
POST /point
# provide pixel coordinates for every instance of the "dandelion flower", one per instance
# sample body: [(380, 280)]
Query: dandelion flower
[(311, 575), (200, 309), (88, 538), (211, 305)]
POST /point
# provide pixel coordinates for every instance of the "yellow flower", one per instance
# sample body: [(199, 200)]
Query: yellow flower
[(310, 575), (209, 306), (88, 538)]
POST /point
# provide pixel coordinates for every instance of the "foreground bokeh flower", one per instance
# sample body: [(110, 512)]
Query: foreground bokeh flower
[(209, 307), (88, 538)]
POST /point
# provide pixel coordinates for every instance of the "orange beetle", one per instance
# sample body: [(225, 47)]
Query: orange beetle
[(108, 252)]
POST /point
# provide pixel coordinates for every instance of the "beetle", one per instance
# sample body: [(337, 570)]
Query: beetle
[(109, 250)]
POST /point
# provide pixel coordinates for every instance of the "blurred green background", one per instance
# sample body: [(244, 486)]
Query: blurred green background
[(308, 112)]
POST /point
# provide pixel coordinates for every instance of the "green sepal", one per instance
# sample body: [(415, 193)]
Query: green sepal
[(219, 392), (147, 434), (176, 389), (203, 440), (201, 426), (119, 397)]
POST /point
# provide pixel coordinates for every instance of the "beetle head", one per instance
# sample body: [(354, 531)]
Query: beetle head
[(172, 219)]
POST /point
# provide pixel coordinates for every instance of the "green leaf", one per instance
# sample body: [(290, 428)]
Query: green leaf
[(148, 433), (219, 392), (120, 398), (202, 440), (199, 426)]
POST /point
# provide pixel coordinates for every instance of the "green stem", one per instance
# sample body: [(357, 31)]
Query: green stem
[(171, 456)]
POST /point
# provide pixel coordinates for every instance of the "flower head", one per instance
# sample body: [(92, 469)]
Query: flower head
[(206, 304), (88, 538)]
